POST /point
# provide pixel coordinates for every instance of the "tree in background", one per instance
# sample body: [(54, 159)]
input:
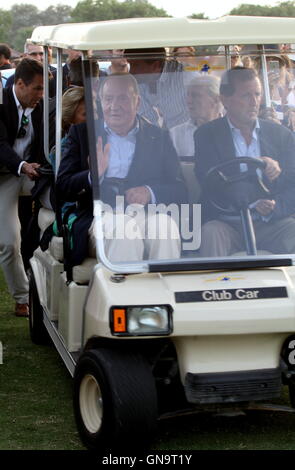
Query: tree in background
[(56, 15), (20, 38), (17, 23), (282, 9), (102, 10), (5, 25), (24, 18), (199, 16)]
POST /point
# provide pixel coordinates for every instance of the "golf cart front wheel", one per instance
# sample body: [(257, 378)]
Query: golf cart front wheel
[(115, 400)]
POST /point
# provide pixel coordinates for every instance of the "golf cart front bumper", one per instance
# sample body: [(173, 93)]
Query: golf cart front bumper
[(233, 387)]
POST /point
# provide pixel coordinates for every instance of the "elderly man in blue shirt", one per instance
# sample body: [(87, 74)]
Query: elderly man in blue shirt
[(137, 161)]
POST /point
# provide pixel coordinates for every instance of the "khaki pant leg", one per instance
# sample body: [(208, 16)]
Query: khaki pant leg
[(118, 245), (136, 236), (219, 238), (10, 255), (276, 236), (161, 236)]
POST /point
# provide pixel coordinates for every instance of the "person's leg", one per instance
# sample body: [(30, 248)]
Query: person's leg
[(10, 255), (276, 236), (161, 236), (218, 238), (119, 245), (30, 234)]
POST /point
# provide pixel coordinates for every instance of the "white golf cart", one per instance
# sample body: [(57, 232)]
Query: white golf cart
[(148, 337)]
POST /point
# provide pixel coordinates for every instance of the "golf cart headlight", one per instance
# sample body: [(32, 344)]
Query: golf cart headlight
[(148, 320), (141, 320)]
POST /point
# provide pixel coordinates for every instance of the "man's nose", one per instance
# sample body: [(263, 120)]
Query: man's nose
[(254, 100), (115, 103)]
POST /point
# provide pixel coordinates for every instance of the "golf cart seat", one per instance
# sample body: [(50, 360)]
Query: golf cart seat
[(81, 273)]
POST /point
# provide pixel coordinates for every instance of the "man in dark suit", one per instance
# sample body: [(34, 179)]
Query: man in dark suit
[(241, 133), (135, 159), (21, 152)]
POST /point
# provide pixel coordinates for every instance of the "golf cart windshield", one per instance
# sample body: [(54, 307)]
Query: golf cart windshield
[(192, 155)]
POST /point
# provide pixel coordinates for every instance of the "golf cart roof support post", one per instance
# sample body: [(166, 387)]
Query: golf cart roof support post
[(127, 267), (58, 130), (97, 204), (265, 77), (228, 60), (88, 94), (46, 104)]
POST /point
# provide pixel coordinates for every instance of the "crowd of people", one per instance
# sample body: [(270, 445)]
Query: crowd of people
[(151, 112)]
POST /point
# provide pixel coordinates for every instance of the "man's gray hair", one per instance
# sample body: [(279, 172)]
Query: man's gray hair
[(123, 76), (211, 83), (26, 48)]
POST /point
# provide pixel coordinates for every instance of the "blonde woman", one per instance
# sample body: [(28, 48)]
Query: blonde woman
[(73, 112)]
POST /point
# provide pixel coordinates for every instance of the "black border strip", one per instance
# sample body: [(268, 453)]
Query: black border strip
[(218, 265)]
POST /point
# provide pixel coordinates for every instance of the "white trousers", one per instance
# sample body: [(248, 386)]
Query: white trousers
[(140, 237), (11, 187)]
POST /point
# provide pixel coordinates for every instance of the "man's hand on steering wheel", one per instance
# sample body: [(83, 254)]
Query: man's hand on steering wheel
[(272, 169)]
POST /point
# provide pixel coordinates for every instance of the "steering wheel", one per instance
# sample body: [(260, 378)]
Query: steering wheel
[(231, 189)]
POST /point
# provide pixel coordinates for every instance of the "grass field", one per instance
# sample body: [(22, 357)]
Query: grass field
[(36, 405)]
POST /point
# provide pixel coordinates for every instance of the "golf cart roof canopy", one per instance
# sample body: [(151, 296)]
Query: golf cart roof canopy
[(166, 32)]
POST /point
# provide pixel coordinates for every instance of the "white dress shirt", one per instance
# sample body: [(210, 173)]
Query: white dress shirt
[(183, 138)]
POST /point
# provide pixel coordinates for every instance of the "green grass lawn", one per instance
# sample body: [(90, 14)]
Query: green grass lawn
[(35, 389), (36, 405)]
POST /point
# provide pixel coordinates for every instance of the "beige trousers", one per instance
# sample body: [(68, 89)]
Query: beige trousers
[(11, 187), (221, 238), (135, 237)]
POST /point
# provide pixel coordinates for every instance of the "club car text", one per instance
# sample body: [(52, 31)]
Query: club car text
[(231, 294)]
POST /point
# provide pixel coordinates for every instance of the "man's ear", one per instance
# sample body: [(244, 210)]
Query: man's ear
[(20, 83)]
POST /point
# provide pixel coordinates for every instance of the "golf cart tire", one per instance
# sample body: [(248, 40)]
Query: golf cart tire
[(38, 332), (115, 400)]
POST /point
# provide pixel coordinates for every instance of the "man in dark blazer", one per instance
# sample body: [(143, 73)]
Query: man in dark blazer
[(241, 133), (21, 152), (135, 159)]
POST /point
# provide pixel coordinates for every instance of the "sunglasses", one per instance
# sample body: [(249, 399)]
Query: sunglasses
[(22, 130)]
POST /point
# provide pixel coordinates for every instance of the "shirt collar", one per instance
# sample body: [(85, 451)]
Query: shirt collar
[(257, 126), (18, 105), (130, 134)]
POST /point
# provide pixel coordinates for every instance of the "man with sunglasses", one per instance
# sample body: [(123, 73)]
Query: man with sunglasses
[(21, 152)]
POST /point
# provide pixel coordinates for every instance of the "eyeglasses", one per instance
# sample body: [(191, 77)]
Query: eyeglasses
[(22, 130)]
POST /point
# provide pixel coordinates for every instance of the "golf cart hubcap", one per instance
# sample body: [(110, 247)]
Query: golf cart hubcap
[(91, 403)]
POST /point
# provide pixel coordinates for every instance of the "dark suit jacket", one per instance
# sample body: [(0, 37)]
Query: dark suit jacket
[(214, 145), (9, 160), (155, 164)]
